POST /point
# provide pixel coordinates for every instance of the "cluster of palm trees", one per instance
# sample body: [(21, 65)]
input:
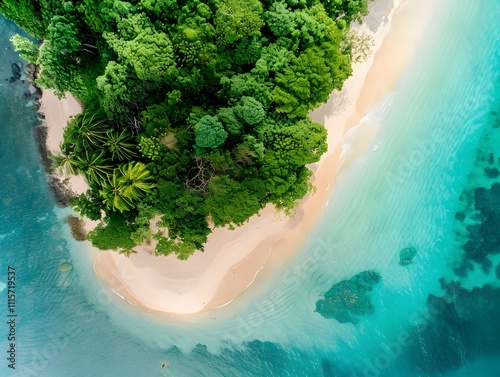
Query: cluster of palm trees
[(105, 156)]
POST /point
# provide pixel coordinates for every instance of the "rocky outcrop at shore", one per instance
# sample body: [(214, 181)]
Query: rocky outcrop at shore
[(31, 71), (16, 72), (62, 195), (28, 74), (77, 227)]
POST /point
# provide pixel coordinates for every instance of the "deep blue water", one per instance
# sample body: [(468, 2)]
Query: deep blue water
[(430, 184)]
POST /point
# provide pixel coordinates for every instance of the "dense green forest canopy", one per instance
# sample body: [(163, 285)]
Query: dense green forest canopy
[(195, 111)]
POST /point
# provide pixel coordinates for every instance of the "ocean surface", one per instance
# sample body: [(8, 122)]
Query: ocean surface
[(430, 182)]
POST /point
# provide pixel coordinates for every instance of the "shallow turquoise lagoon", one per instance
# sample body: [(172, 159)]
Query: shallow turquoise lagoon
[(427, 183)]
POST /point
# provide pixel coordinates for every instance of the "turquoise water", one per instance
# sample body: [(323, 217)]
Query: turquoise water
[(436, 133)]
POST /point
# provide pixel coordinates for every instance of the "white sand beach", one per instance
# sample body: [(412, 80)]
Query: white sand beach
[(58, 112), (234, 259)]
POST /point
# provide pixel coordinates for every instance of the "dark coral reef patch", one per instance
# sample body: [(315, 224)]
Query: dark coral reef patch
[(348, 300), (406, 255)]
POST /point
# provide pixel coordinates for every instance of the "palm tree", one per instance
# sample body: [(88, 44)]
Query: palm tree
[(136, 178), (120, 145), (65, 160), (127, 184), (94, 165), (88, 132), (114, 195)]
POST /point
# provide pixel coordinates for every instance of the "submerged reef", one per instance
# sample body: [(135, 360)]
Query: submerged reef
[(406, 255), (483, 237), (462, 324), (478, 219), (349, 299)]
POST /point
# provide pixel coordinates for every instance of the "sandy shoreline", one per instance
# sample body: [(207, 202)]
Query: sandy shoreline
[(58, 112), (234, 259)]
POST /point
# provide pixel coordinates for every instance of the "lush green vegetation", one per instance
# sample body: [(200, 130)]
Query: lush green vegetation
[(195, 110)]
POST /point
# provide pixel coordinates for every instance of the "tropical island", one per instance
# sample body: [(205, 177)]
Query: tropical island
[(389, 266), (195, 113), (242, 253), (163, 273)]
